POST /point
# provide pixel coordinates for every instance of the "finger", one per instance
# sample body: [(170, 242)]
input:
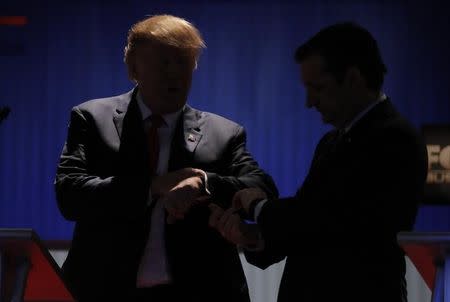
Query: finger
[(202, 199), (237, 235), (236, 201), (179, 205), (172, 202), (216, 213), (223, 221), (173, 211), (230, 226), (175, 214)]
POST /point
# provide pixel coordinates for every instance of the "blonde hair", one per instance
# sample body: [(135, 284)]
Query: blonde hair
[(166, 30)]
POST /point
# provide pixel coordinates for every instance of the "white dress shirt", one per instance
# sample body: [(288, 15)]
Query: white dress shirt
[(153, 268)]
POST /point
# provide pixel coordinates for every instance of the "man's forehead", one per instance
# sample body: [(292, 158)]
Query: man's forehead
[(313, 64), (312, 69)]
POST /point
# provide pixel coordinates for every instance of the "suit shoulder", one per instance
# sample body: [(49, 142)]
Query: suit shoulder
[(221, 119), (398, 126), (215, 121), (103, 105), (397, 133)]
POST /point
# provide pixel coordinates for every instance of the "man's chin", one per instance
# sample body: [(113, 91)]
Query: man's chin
[(328, 121), (325, 119)]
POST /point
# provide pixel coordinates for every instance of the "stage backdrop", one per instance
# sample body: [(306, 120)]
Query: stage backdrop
[(66, 52)]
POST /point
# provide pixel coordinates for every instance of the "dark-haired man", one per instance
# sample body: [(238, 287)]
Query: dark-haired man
[(339, 230)]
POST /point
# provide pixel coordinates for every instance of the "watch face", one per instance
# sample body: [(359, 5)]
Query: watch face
[(204, 178)]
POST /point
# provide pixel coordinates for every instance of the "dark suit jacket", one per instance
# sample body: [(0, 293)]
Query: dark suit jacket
[(339, 231), (102, 184)]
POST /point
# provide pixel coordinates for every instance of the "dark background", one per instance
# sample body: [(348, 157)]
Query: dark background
[(72, 51)]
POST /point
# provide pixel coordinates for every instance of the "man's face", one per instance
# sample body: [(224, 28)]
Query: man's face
[(323, 92), (164, 76)]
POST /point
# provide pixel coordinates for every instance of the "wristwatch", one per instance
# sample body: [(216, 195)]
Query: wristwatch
[(204, 178)]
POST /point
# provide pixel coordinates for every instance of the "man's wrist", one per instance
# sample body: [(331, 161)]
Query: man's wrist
[(252, 207), (258, 209), (204, 179)]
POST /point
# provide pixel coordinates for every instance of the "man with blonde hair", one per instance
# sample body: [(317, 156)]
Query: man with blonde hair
[(135, 173)]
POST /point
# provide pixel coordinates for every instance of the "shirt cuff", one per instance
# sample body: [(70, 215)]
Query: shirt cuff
[(258, 209), (205, 183)]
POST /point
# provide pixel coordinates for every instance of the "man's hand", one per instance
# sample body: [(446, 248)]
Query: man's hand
[(162, 184), (232, 228), (182, 197), (243, 198)]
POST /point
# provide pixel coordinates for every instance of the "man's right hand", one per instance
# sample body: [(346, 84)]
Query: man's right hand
[(233, 228), (244, 198), (162, 184)]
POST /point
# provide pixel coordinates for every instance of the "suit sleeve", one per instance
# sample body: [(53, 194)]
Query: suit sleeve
[(381, 201), (271, 253), (242, 171), (80, 193)]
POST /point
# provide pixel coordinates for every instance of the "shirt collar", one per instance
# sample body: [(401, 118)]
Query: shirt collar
[(170, 119), (360, 115)]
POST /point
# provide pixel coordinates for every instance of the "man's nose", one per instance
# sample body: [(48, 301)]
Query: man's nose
[(172, 67), (310, 100)]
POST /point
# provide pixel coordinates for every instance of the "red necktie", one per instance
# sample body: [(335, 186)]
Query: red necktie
[(153, 268), (153, 141)]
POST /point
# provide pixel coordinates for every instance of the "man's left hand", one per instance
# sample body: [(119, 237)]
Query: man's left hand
[(244, 198), (179, 200)]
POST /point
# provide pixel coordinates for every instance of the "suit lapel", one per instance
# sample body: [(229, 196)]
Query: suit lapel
[(188, 134), (121, 110), (133, 149), (192, 131), (118, 120), (336, 150)]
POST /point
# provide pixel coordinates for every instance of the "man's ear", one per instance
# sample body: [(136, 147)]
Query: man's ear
[(353, 77), (132, 70)]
